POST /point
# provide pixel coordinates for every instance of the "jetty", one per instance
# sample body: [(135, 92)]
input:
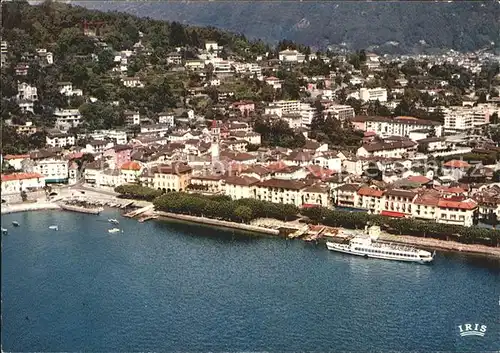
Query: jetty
[(139, 211), (147, 218)]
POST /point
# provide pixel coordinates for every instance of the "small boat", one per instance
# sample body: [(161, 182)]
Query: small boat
[(15, 223), (113, 230), (54, 227), (113, 221), (4, 231)]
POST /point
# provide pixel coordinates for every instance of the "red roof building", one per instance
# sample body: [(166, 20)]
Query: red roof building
[(21, 176)]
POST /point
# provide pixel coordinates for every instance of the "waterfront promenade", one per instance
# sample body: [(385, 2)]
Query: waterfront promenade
[(264, 226)]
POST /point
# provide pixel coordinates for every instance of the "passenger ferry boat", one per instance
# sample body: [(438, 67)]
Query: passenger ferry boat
[(363, 245)]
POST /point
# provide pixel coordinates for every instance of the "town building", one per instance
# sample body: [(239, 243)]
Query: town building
[(54, 170), (26, 92), (17, 182), (132, 118), (67, 118), (118, 136), (373, 94), (132, 82), (27, 129), (130, 172), (174, 177), (393, 149), (291, 56), (59, 140), (280, 191), (398, 126), (240, 187)]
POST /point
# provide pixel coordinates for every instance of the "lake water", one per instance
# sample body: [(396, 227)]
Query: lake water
[(163, 286)]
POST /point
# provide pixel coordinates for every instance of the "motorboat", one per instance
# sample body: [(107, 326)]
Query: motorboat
[(15, 223), (113, 221), (4, 231), (54, 227), (114, 230)]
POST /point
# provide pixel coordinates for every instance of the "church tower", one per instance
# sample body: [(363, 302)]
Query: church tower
[(215, 141)]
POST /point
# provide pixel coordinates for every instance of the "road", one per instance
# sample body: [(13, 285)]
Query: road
[(94, 190)]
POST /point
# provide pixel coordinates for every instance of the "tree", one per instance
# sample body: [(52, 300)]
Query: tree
[(243, 214)]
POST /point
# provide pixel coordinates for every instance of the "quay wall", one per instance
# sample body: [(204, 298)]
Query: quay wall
[(218, 223), (24, 207)]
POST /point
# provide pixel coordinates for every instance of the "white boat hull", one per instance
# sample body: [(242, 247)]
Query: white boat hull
[(347, 250)]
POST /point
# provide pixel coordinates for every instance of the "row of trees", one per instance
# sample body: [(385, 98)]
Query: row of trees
[(358, 220), (222, 207), (245, 210), (137, 192)]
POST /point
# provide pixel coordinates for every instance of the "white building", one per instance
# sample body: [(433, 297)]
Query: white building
[(373, 94), (240, 187), (45, 56), (158, 129), (463, 118), (398, 126), (132, 118), (98, 146), (120, 137), (339, 111), (17, 182), (273, 81), (66, 118), (26, 92), (287, 107), (60, 140), (293, 120), (132, 82), (167, 119), (66, 88), (26, 106), (3, 53), (54, 170), (222, 67), (291, 56), (307, 112), (397, 149), (212, 46)]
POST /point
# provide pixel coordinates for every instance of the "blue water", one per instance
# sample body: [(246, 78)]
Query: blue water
[(163, 286)]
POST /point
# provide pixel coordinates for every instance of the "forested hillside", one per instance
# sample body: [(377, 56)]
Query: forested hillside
[(393, 26), (87, 63)]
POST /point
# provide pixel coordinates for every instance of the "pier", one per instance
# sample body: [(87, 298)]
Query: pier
[(140, 211)]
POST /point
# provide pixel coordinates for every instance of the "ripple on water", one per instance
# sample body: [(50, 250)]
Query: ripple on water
[(173, 287)]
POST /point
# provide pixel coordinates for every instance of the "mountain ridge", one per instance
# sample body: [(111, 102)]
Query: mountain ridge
[(400, 27)]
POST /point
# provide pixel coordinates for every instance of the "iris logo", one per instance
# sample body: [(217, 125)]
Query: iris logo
[(472, 330)]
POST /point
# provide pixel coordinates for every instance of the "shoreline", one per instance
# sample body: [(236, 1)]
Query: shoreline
[(443, 245), (430, 243), (216, 222), (27, 207)]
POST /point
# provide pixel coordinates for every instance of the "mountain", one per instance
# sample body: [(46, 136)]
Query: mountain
[(402, 27)]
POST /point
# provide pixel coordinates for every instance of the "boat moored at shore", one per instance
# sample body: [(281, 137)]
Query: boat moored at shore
[(363, 245)]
